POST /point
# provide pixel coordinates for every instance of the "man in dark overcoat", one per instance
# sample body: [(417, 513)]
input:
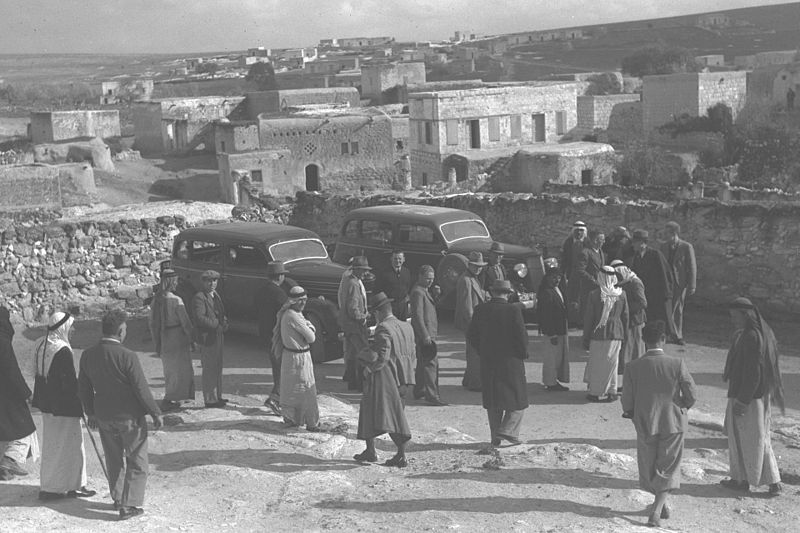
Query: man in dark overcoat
[(498, 332), (681, 259), (396, 282), (268, 301), (652, 268), (590, 262), (16, 423)]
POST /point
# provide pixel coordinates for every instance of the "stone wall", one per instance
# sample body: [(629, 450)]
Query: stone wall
[(747, 248), (598, 112), (82, 266), (29, 186), (47, 127)]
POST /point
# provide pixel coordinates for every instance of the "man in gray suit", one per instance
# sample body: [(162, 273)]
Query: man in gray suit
[(680, 257), (426, 324), (657, 392), (211, 323)]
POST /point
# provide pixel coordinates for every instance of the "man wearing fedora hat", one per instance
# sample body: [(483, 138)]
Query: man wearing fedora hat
[(425, 322), (352, 298), (494, 268), (652, 268), (470, 293), (211, 323), (389, 370), (268, 301), (498, 332)]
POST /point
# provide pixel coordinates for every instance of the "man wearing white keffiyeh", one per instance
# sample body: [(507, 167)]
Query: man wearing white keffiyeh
[(604, 324)]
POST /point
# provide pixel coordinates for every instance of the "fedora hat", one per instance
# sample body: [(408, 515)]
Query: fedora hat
[(641, 235), (275, 268), (360, 261), (168, 273), (210, 274), (498, 248), (376, 301), (476, 258), (501, 285)]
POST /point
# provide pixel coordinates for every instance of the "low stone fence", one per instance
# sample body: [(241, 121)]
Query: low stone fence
[(743, 248)]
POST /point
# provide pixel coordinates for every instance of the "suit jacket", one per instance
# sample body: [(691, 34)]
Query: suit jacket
[(655, 273), (491, 273), (616, 324), (469, 293), (590, 262), (683, 264), (424, 319), (111, 383), (637, 302), (498, 332), (396, 286), (209, 316), (15, 416), (352, 304), (268, 301), (570, 252), (552, 312), (658, 390)]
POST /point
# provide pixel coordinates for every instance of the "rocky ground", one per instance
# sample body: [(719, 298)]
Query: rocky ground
[(239, 469)]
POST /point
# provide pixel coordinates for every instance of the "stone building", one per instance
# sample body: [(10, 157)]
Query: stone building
[(362, 42), (310, 151), (497, 116), (54, 126), (764, 59), (134, 89), (178, 125), (579, 163), (713, 20), (603, 112), (787, 78), (332, 65), (667, 97), (712, 60), (381, 83), (282, 100)]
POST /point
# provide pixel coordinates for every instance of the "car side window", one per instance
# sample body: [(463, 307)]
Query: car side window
[(376, 231), (417, 234), (245, 256), (206, 252), (351, 230), (182, 250)]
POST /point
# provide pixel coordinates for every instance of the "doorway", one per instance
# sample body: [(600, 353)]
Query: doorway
[(538, 127), (474, 133), (312, 178), (586, 176)]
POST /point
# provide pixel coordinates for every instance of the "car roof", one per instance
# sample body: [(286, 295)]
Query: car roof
[(412, 213), (254, 232)]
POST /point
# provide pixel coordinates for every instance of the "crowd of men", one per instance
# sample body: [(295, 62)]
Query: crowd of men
[(626, 295)]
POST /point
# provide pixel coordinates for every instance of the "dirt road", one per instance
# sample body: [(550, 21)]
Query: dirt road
[(239, 469)]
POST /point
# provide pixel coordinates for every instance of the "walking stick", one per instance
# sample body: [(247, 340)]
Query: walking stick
[(94, 444)]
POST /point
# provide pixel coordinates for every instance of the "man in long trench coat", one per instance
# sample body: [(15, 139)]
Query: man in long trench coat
[(498, 331)]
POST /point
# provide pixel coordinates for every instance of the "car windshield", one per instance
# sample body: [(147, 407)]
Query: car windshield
[(464, 229), (297, 250)]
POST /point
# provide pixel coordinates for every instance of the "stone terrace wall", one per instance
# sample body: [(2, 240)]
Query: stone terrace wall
[(82, 266), (29, 186), (749, 248)]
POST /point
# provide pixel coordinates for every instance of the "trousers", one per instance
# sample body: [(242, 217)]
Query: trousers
[(125, 447), (504, 423)]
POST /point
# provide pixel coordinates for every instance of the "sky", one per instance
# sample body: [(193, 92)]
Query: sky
[(175, 26)]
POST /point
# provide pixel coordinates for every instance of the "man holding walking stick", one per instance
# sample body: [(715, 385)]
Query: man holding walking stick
[(116, 398)]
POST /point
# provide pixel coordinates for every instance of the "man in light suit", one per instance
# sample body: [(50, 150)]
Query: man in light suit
[(352, 298), (425, 322), (680, 257), (657, 392), (211, 323), (470, 293)]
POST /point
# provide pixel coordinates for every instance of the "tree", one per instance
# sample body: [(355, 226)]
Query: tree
[(207, 68), (262, 75), (603, 83), (659, 60)]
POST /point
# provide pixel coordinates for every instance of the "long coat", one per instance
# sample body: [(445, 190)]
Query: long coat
[(352, 305), (395, 286), (683, 264), (637, 301), (15, 417), (469, 294), (590, 262), (498, 332), (552, 312), (424, 319), (656, 275)]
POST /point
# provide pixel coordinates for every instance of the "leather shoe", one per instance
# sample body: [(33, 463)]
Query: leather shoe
[(435, 401), (7, 463), (273, 406), (126, 513), (366, 457), (398, 461), (558, 387), (82, 492)]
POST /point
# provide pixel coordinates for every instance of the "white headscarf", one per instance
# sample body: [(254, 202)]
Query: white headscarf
[(55, 339), (626, 274), (609, 292)]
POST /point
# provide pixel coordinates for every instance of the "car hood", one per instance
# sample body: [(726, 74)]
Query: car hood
[(512, 251), (318, 270)]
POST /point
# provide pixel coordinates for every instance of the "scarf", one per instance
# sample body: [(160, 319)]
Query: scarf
[(609, 293), (768, 350), (625, 273), (56, 338)]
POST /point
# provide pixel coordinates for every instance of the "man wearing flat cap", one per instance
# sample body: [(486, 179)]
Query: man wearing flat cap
[(211, 323), (268, 301), (470, 293), (352, 298), (652, 268), (389, 370), (494, 269), (498, 332)]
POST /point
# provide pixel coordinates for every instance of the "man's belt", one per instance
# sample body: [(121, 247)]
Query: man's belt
[(297, 350)]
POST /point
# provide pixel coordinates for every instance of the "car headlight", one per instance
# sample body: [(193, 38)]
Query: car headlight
[(521, 269)]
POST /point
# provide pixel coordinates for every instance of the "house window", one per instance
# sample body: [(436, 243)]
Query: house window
[(222, 146), (375, 231), (586, 176), (398, 145), (345, 148), (561, 122), (424, 178), (256, 175), (474, 133), (353, 148), (494, 128), (420, 133), (538, 125), (452, 131), (428, 133), (206, 252), (516, 126)]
